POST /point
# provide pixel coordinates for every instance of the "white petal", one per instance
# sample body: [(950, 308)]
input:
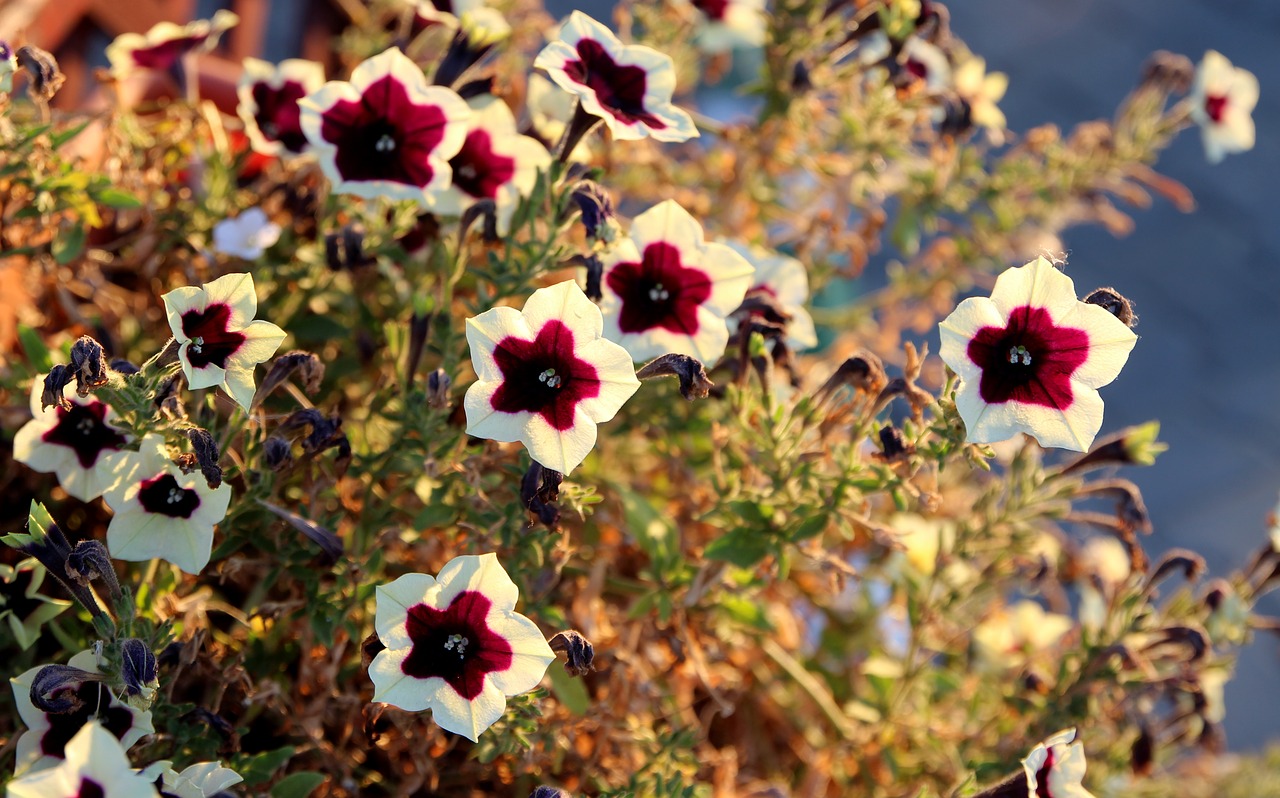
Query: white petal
[(236, 292), (179, 301), (238, 382), (958, 329), (454, 713), (486, 331), (480, 573), (1038, 284), (30, 449), (530, 653), (1110, 342), (617, 375), (392, 603), (679, 125), (731, 277), (670, 223), (560, 450), (392, 686), (209, 376), (483, 421), (139, 536), (579, 26)]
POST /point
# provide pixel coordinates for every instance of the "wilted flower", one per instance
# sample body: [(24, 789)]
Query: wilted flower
[(455, 645), (219, 342), (246, 236), (1031, 358), (95, 767), (726, 24), (162, 46), (269, 95), (784, 280), (387, 132), (668, 290), (546, 377), (162, 512), (1008, 636), (495, 163), (1055, 768), (45, 741), (628, 86), (1222, 102), (77, 442), (23, 608)]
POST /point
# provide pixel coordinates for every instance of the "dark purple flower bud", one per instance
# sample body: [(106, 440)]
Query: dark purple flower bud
[(138, 666), (544, 791), (419, 332), (539, 489), (1190, 564), (43, 540), (439, 384), (46, 78), (328, 542), (801, 78), (595, 274), (206, 451), (579, 653), (55, 688), (168, 398), (893, 445), (1114, 303), (277, 453), (694, 383), (122, 366), (957, 117), (212, 720), (864, 372), (88, 561), (1142, 755), (89, 365), (345, 249), (476, 88), (370, 648), (55, 383), (1172, 72), (307, 365), (485, 211), (595, 208)]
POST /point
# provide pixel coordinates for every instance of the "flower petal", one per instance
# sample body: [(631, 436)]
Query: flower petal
[(480, 573), (392, 603), (530, 653), (1038, 284), (454, 713)]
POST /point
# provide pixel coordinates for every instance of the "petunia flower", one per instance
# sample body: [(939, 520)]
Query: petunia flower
[(78, 443), (545, 376), (1031, 358), (455, 645), (551, 111), (728, 24), (162, 46), (981, 90), (785, 280), (246, 236), (96, 767), (1222, 101), (201, 780), (926, 62), (1009, 636), (628, 86), (495, 163), (1055, 768), (386, 133), (219, 342), (429, 13), (23, 608), (44, 743), (268, 105), (668, 290), (162, 512)]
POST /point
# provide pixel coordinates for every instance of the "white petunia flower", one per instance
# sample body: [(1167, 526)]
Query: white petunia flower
[(1010, 635), (628, 86), (668, 290), (219, 341), (268, 103), (455, 645), (1055, 768), (201, 780), (545, 376), (162, 46), (1031, 358), (981, 90), (79, 444), (246, 236), (785, 280), (1222, 101), (162, 512), (729, 24), (96, 767)]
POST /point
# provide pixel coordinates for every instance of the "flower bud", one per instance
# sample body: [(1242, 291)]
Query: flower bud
[(485, 211), (595, 273), (55, 687), (1114, 303), (1142, 755), (1172, 72), (893, 446), (539, 489), (438, 387), (206, 451), (419, 330), (55, 383), (277, 453), (345, 249), (694, 383), (88, 364), (544, 791), (46, 78), (88, 561), (308, 366), (138, 668), (595, 210), (578, 651), (1130, 446)]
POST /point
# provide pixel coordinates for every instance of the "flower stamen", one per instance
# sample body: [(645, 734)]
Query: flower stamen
[(457, 643), (1019, 354), (550, 379), (197, 344), (659, 294), (385, 143)]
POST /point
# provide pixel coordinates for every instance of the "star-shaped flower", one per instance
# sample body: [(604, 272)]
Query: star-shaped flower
[(727, 24), (1222, 101), (162, 512), (269, 95), (1031, 358), (628, 86), (495, 163), (1055, 768), (96, 767), (784, 280), (219, 341), (545, 376), (388, 132), (668, 290), (455, 645), (162, 46), (45, 742), (78, 443), (246, 236)]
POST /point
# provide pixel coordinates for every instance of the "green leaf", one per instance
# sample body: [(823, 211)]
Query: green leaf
[(569, 691), (58, 139), (811, 526), (262, 767), (67, 247), (117, 198), (298, 785), (33, 346), (742, 548)]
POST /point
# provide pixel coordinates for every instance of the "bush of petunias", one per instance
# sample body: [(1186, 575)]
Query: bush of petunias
[(452, 418)]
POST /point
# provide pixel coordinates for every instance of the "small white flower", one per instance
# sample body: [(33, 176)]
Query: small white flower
[(729, 24), (926, 62), (80, 445), (628, 86), (1032, 357), (784, 278), (162, 46), (1009, 636), (96, 767), (1222, 102), (219, 342), (1055, 768), (163, 513), (268, 103), (545, 376), (455, 645), (45, 742), (982, 90), (668, 290), (246, 236), (201, 780)]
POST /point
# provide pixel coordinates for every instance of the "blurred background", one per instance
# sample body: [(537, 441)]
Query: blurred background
[(1206, 285)]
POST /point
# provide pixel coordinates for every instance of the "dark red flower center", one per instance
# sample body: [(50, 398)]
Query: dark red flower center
[(278, 114), (714, 9), (163, 495), (917, 68), (456, 644), (619, 88), (659, 291), (90, 789), (95, 700), (384, 135), (1215, 105), (544, 376), (478, 170), (84, 430), (1030, 360), (1042, 775), (211, 341), (166, 54)]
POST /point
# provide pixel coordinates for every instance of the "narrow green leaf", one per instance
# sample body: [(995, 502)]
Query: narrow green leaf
[(33, 346), (67, 247), (298, 785), (117, 198)]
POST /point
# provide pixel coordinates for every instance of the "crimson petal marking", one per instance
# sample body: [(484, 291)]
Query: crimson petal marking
[(1055, 354), (456, 644), (659, 269), (84, 430), (528, 368)]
